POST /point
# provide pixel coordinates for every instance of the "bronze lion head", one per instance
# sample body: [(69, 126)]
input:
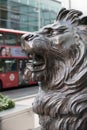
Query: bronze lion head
[(58, 59)]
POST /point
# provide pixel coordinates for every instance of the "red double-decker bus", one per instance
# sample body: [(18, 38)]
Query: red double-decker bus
[(12, 59)]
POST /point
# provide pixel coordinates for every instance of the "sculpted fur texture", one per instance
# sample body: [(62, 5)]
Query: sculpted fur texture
[(58, 60)]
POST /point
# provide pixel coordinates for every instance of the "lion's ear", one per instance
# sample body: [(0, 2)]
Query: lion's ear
[(77, 55), (77, 62)]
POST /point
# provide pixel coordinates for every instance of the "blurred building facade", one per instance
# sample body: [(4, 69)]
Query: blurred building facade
[(27, 15)]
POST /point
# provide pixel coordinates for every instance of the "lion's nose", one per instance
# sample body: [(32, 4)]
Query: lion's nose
[(26, 44), (27, 36), (27, 41)]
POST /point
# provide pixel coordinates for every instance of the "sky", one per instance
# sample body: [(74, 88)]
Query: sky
[(76, 4)]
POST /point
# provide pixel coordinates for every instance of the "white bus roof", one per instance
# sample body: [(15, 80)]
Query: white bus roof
[(12, 30)]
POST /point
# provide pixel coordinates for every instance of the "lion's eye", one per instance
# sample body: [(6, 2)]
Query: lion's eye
[(62, 29), (59, 30), (47, 30)]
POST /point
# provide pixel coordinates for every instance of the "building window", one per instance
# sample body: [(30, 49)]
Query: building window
[(29, 15)]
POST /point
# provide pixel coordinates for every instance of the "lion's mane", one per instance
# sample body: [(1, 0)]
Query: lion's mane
[(63, 106), (62, 100)]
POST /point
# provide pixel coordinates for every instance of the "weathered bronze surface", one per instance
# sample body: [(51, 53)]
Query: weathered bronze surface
[(58, 60)]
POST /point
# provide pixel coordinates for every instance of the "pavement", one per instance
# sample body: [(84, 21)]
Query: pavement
[(28, 100)]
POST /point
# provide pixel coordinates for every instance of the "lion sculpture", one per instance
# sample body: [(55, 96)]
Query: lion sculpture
[(58, 61)]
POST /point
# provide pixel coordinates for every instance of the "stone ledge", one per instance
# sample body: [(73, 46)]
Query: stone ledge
[(19, 118)]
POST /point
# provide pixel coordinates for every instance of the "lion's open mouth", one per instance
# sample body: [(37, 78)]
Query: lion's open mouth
[(36, 63)]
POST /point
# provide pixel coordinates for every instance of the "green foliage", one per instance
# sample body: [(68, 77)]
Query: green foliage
[(6, 103)]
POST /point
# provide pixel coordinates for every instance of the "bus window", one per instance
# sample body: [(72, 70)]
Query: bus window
[(10, 39), (2, 65), (1, 38), (19, 39), (7, 65), (11, 64), (22, 65), (21, 68), (14, 66)]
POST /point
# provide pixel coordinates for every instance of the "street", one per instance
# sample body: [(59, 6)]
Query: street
[(21, 92)]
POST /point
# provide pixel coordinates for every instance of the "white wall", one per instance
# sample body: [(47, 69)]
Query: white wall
[(76, 4)]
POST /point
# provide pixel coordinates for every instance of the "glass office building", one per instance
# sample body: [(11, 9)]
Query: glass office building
[(27, 15)]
